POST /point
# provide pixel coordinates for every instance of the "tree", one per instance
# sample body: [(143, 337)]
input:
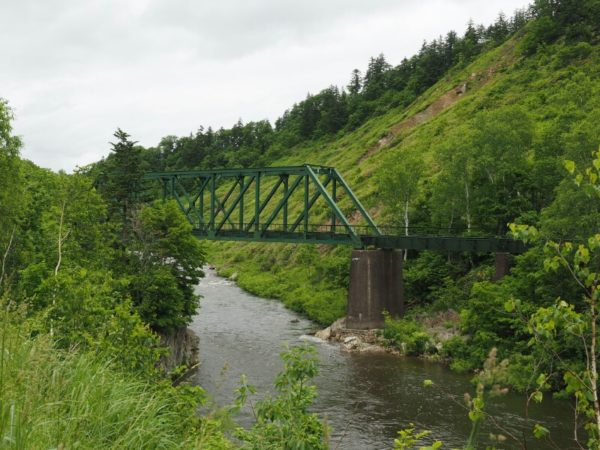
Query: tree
[(374, 83), (499, 31), (554, 324), (399, 184), (452, 189), (168, 266), (470, 43), (501, 140), (10, 189), (123, 175), (355, 84)]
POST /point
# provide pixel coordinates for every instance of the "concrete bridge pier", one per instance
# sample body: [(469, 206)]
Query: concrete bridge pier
[(375, 286), (502, 265)]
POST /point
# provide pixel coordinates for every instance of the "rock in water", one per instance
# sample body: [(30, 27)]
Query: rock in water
[(324, 334)]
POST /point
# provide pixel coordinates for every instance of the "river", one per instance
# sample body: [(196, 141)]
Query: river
[(365, 398)]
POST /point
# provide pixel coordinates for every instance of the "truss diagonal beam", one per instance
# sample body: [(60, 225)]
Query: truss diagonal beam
[(283, 204), (311, 202), (357, 203), (235, 203), (221, 204), (265, 202), (209, 207), (334, 207)]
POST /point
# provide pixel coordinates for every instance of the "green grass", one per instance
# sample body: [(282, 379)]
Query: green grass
[(298, 277), (51, 399)]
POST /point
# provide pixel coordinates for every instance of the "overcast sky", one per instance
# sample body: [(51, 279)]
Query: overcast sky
[(75, 70)]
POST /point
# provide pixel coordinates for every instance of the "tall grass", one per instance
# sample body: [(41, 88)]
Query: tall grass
[(51, 399)]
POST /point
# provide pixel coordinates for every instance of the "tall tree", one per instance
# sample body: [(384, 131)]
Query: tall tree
[(399, 184), (374, 84), (123, 176), (9, 186), (168, 266), (355, 84)]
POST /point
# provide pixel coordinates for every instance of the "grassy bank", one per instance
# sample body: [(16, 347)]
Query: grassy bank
[(302, 277), (69, 399)]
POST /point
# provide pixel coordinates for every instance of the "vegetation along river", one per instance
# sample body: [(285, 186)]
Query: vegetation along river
[(365, 398)]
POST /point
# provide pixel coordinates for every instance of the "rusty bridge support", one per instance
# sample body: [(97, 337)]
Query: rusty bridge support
[(375, 286)]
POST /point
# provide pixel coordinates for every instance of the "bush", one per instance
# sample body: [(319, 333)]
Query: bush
[(284, 421), (407, 332), (85, 309), (425, 274), (457, 350), (567, 55)]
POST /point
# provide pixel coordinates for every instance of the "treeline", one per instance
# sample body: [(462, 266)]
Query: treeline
[(380, 88), (334, 109), (384, 86)]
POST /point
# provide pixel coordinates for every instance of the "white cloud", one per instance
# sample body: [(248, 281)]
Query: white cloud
[(74, 71)]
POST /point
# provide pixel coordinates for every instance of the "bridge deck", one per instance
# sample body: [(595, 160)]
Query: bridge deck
[(435, 243)]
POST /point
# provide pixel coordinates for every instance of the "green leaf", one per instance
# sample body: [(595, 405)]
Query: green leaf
[(541, 380), (539, 431), (509, 305), (569, 165)]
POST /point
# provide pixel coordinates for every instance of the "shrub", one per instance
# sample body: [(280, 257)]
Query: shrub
[(407, 332), (284, 421)]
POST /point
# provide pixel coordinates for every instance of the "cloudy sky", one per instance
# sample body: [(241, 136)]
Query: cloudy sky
[(75, 70)]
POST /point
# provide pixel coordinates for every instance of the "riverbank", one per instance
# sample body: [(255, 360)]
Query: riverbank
[(435, 332), (366, 397)]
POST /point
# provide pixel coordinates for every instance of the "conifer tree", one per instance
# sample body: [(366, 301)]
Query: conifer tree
[(355, 84), (123, 180)]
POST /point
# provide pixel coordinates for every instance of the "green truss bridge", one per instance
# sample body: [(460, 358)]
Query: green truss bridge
[(313, 204), (298, 204)]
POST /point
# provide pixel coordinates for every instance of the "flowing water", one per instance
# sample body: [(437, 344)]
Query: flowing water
[(365, 398)]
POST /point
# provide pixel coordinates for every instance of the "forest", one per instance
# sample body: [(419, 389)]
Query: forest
[(492, 132)]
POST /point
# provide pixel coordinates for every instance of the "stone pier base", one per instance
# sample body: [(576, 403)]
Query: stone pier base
[(375, 286)]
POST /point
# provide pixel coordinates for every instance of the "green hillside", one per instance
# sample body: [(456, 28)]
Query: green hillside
[(509, 114)]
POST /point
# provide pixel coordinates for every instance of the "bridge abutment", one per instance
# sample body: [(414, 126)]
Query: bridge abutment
[(375, 286)]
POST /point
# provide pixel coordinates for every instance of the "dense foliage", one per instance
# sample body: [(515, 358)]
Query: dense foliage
[(88, 277), (466, 137), (79, 364)]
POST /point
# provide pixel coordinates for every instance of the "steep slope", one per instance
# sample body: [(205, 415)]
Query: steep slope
[(555, 91)]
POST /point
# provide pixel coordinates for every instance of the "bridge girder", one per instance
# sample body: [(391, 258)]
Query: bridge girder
[(255, 204), (217, 203)]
